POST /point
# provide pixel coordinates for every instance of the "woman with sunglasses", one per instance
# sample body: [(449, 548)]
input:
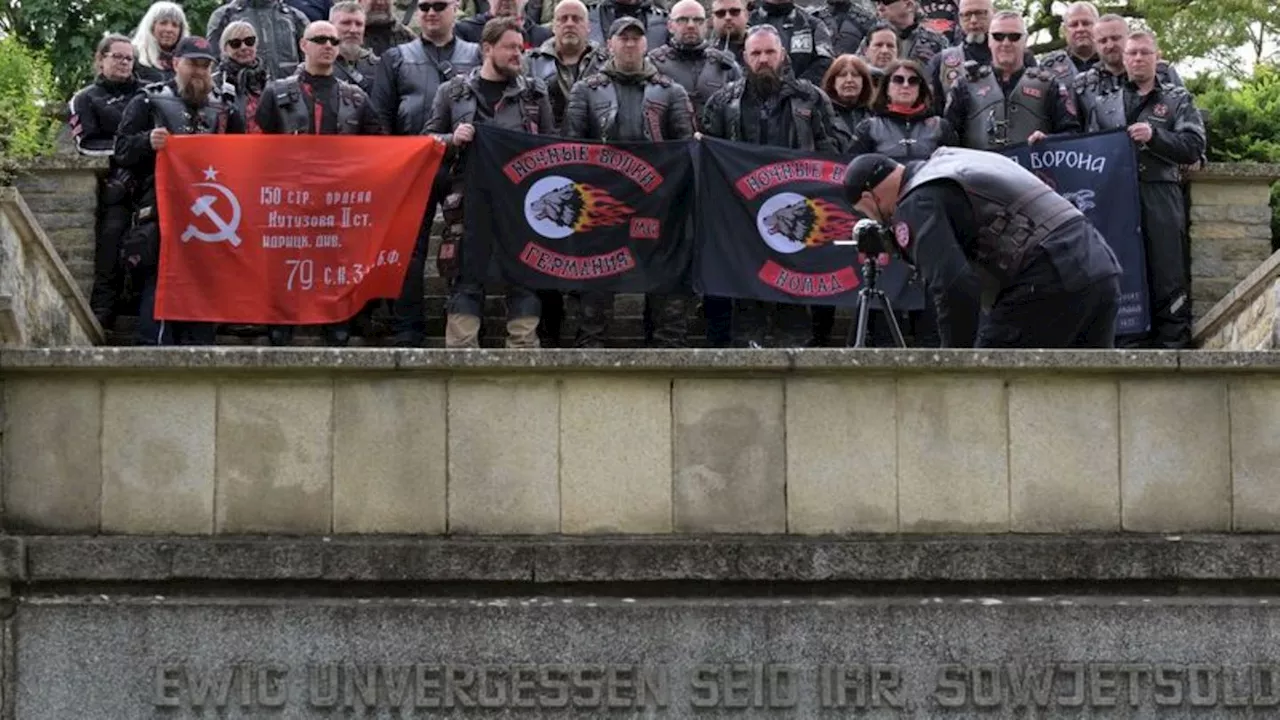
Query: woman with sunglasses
[(241, 71), (157, 35)]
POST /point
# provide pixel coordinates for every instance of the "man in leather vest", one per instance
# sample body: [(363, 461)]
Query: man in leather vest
[(771, 107), (499, 94), (356, 63), (971, 46), (315, 102), (189, 104), (630, 101), (689, 60), (651, 17), (1164, 124), (1080, 54), (848, 21), (383, 30), (729, 27), (805, 38), (987, 234), (279, 26), (915, 40), (408, 78), (567, 57), (534, 34), (1109, 36), (994, 107)]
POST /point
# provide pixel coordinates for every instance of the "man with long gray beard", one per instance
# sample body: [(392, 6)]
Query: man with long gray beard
[(496, 93), (382, 31), (771, 107), (630, 101), (189, 104)]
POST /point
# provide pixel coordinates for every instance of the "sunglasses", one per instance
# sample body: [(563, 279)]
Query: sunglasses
[(911, 80), (727, 12), (1011, 37), (235, 43), (325, 40), (437, 7)]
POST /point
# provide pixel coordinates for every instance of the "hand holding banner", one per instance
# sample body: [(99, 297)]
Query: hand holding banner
[(287, 230)]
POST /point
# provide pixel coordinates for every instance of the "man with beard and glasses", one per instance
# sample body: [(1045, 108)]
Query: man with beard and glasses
[(1008, 103), (915, 40), (701, 70), (534, 34), (771, 107), (971, 47), (651, 17), (1108, 74), (314, 101), (986, 233), (408, 78), (849, 21), (729, 27), (355, 63), (382, 31), (630, 101), (805, 39), (1165, 127), (187, 105), (1080, 54), (499, 94), (279, 27), (560, 63)]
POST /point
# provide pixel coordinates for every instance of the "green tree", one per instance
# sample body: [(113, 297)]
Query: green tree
[(67, 31), (26, 87)]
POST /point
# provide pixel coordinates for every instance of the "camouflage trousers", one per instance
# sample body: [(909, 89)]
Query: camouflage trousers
[(670, 314)]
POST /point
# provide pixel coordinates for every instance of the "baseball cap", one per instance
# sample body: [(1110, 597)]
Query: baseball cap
[(625, 23), (194, 47), (865, 173)]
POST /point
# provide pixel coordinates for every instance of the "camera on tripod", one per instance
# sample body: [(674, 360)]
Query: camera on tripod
[(872, 239)]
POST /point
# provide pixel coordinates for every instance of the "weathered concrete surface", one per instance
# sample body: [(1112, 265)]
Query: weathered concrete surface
[(1247, 318), (40, 304), (570, 657)]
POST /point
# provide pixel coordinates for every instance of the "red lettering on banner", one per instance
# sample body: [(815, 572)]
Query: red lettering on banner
[(802, 284), (546, 157), (573, 267), (264, 229), (768, 177), (645, 229)]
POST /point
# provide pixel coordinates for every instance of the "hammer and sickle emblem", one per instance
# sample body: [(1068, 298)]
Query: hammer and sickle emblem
[(203, 207)]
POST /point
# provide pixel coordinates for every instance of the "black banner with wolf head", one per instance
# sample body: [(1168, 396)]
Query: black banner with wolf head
[(767, 219), (550, 213)]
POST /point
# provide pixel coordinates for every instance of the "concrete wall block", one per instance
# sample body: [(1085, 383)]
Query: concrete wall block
[(842, 465), (1229, 193), (1255, 454), (1064, 455), (1175, 463), (730, 455), (390, 456), (158, 456), (1252, 214), (52, 461), (953, 471), (615, 455), (504, 460), (274, 457)]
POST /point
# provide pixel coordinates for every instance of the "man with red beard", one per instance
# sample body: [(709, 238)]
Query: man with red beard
[(497, 93), (189, 104)]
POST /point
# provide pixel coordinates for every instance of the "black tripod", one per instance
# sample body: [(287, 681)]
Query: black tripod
[(858, 332)]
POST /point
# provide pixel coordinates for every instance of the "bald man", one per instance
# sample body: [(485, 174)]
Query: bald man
[(688, 58)]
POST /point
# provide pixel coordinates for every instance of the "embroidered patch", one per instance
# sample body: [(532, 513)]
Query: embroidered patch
[(902, 234), (983, 90), (1160, 110), (953, 59), (1034, 92), (802, 42)]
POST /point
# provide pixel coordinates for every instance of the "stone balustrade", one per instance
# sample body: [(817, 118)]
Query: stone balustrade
[(249, 441)]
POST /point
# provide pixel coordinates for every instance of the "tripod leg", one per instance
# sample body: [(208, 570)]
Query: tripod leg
[(893, 319), (858, 332)]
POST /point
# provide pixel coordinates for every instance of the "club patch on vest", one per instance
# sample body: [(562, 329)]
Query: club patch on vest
[(802, 42), (952, 60), (902, 234), (1160, 110), (1034, 92)]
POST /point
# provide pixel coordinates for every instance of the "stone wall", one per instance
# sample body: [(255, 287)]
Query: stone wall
[(1230, 228), (62, 192), (316, 442), (1247, 318), (40, 305)]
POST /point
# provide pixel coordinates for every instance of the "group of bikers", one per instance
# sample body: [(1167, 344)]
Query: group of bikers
[(842, 79)]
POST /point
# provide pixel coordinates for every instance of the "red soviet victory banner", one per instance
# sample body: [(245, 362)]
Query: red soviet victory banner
[(287, 229)]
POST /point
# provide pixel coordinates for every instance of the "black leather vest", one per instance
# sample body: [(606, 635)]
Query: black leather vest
[(172, 112), (295, 117), (701, 72), (995, 121), (903, 139)]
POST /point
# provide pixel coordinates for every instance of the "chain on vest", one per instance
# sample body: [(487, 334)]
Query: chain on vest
[(905, 140), (1013, 209), (174, 113), (297, 119), (995, 121)]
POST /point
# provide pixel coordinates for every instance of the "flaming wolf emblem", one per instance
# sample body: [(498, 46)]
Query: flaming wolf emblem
[(580, 207), (810, 222)]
